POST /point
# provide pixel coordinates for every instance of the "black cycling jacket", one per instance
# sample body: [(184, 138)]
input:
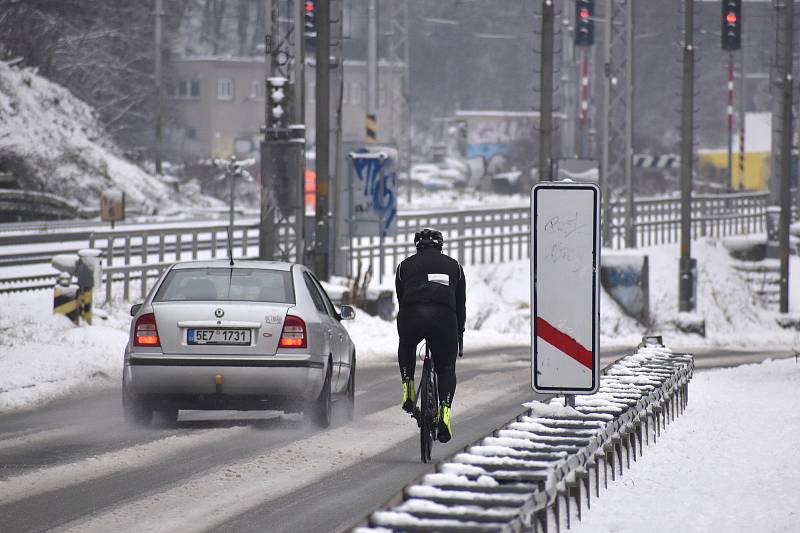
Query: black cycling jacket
[(431, 277)]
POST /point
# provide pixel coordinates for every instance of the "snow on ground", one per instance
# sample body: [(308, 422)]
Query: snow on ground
[(44, 357), (724, 300), (53, 142), (728, 463)]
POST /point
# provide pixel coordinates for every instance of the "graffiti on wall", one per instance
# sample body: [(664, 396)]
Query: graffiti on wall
[(373, 190)]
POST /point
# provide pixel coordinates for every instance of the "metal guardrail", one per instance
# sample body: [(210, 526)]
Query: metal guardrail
[(500, 234), (536, 473)]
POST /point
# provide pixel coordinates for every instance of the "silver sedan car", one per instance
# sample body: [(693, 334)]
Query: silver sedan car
[(252, 335)]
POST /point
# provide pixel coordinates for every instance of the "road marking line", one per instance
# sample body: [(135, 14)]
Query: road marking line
[(26, 438), (61, 476)]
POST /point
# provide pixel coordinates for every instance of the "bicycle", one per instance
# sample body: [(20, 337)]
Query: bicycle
[(426, 414)]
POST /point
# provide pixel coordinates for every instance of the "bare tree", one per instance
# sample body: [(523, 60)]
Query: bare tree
[(102, 50)]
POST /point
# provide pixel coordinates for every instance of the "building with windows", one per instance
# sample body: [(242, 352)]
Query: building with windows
[(218, 105)]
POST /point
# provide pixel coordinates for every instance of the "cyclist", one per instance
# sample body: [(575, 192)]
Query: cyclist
[(432, 292)]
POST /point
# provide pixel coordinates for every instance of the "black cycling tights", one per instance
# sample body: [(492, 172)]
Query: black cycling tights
[(438, 325)]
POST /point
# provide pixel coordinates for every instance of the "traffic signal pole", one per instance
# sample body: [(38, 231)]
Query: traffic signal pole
[(686, 272), (546, 93), (786, 153), (730, 119)]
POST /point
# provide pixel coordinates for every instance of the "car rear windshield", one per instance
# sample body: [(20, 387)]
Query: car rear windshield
[(227, 284)]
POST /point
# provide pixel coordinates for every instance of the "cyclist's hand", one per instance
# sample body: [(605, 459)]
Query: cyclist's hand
[(461, 345)]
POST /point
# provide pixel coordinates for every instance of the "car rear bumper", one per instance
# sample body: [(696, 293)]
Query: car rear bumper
[(297, 376)]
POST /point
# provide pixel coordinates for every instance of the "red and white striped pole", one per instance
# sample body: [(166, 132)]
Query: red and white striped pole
[(730, 120), (584, 115)]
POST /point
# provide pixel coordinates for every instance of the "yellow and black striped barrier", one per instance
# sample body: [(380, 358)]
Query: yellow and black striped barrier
[(85, 301), (372, 128), (65, 302)]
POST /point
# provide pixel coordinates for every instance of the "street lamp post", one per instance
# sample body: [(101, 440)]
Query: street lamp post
[(233, 169)]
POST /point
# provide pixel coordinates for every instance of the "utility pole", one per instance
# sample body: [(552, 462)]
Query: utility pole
[(159, 86), (372, 71), (546, 94), (630, 208), (617, 128), (787, 86), (399, 89), (299, 127), (686, 274), (266, 227), (323, 118), (339, 261)]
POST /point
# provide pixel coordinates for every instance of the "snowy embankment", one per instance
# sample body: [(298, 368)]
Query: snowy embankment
[(728, 464), (52, 142)]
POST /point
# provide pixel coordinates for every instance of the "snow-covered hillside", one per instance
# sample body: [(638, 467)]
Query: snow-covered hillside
[(51, 141)]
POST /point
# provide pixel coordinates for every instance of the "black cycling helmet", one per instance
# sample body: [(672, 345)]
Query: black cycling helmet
[(428, 238)]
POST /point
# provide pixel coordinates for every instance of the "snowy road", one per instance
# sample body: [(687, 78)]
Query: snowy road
[(75, 466)]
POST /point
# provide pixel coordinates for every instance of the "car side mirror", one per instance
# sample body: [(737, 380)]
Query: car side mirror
[(347, 312), (135, 309)]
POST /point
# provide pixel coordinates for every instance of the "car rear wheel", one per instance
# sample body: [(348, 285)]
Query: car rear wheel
[(350, 394), (136, 411), (319, 411)]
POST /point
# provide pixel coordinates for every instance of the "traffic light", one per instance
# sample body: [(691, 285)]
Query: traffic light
[(584, 22), (731, 24), (309, 24), (277, 102)]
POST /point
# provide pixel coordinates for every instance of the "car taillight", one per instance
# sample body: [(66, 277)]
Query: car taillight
[(293, 334), (146, 333)]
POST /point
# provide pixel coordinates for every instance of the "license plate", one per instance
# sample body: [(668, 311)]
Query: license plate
[(232, 337)]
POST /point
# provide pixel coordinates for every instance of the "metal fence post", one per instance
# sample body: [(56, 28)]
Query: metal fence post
[(460, 224), (127, 277)]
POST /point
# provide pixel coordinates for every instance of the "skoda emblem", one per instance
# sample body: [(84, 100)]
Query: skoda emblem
[(219, 313)]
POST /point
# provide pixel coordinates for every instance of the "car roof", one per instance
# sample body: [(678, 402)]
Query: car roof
[(237, 263)]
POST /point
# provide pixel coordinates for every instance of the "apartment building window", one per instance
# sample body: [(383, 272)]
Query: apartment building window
[(225, 89), (382, 96), (355, 93), (187, 90), (256, 90)]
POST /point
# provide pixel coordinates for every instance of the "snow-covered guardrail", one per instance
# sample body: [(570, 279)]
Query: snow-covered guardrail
[(539, 472)]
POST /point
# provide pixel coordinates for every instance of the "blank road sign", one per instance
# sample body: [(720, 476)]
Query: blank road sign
[(565, 257)]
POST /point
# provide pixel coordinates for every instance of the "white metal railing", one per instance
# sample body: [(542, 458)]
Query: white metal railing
[(473, 236)]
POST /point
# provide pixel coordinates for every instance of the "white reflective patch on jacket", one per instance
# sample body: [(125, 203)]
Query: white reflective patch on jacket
[(442, 279)]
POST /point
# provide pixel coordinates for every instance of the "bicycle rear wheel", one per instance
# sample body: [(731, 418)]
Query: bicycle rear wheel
[(427, 412)]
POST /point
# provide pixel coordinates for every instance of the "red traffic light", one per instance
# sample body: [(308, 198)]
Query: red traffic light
[(731, 18), (583, 13), (310, 6)]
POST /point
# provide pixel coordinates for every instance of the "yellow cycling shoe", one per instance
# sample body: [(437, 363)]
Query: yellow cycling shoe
[(445, 430), (409, 396)]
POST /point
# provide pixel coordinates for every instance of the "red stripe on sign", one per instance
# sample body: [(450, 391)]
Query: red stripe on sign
[(547, 332)]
